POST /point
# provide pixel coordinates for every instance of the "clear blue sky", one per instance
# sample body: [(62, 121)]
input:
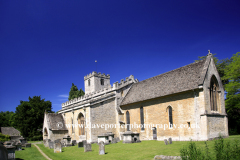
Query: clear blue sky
[(46, 45)]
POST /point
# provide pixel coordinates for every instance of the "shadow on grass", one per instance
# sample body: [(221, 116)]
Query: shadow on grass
[(19, 159)]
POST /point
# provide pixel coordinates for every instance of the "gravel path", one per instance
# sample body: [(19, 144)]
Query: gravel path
[(42, 152)]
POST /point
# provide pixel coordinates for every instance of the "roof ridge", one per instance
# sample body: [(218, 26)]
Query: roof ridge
[(173, 70)]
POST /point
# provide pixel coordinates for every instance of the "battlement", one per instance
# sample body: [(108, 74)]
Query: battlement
[(105, 91), (103, 75)]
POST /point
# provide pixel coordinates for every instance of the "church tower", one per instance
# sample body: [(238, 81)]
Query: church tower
[(96, 81)]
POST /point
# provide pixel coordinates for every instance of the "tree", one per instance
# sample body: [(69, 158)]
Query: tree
[(75, 93), (6, 119), (221, 65), (29, 116), (232, 102)]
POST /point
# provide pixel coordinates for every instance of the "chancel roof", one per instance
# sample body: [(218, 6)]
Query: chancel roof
[(179, 80)]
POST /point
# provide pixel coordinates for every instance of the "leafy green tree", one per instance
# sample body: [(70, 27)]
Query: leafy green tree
[(29, 116), (4, 137), (6, 119), (75, 93), (232, 102)]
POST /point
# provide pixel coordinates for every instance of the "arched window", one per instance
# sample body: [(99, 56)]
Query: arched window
[(122, 93), (89, 82), (214, 93), (128, 120), (142, 118), (81, 124), (45, 134), (170, 116)]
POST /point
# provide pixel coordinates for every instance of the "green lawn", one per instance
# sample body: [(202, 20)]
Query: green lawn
[(29, 153), (143, 150)]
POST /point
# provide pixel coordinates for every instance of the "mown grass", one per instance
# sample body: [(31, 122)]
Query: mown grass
[(143, 150), (29, 153)]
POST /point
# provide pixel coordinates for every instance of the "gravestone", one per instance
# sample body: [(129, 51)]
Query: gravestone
[(114, 140), (3, 152), (118, 139), (87, 147), (50, 144), (101, 148), (18, 146), (11, 152), (57, 147), (80, 144), (165, 141), (170, 140), (74, 142), (27, 145)]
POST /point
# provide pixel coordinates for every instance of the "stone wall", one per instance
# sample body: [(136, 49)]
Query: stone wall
[(156, 112), (103, 113)]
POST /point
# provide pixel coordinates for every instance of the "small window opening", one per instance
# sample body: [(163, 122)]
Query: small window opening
[(188, 124), (102, 82), (122, 93), (89, 82)]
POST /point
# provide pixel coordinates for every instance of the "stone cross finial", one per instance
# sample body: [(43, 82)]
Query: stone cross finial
[(209, 52)]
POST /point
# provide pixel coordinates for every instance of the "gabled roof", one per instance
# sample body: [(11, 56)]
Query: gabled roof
[(185, 78), (11, 131), (56, 121)]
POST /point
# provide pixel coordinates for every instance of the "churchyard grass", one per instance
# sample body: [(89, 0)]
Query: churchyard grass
[(143, 150), (29, 153)]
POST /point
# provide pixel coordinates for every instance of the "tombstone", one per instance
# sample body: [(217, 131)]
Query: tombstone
[(80, 144), (87, 147), (57, 147), (104, 138), (101, 148), (50, 144), (170, 140), (165, 141), (27, 145), (7, 143), (23, 141), (74, 142), (67, 141), (114, 140), (118, 139), (3, 152), (11, 152), (17, 146)]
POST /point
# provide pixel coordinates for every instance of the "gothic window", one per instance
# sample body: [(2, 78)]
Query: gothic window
[(128, 120), (170, 116), (89, 82), (142, 118), (81, 124), (214, 93), (102, 82)]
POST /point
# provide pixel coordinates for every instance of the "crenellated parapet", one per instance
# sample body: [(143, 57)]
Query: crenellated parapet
[(99, 74), (123, 83), (87, 97)]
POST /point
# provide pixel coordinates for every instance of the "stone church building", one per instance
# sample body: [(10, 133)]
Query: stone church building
[(185, 103)]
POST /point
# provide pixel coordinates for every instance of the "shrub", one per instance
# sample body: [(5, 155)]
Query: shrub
[(4, 137)]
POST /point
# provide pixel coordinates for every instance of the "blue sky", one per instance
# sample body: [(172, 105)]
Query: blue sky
[(46, 46)]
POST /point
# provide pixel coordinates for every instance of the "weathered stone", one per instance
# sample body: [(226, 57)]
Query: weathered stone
[(57, 147), (114, 140), (170, 140), (23, 141), (130, 137), (166, 157), (87, 147), (118, 139), (165, 141), (11, 152), (3, 152), (27, 145), (51, 144), (18, 146), (74, 142), (101, 148), (103, 138), (80, 144)]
